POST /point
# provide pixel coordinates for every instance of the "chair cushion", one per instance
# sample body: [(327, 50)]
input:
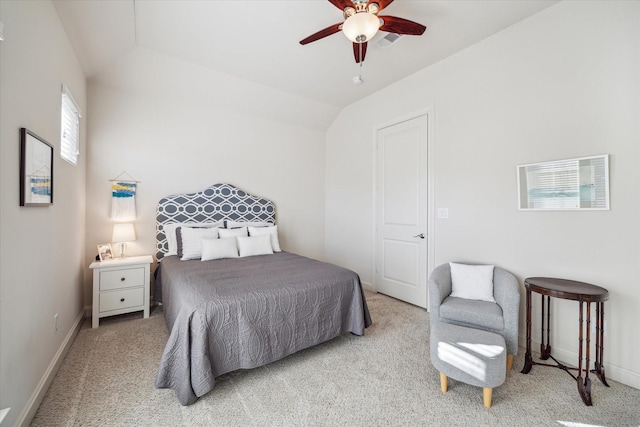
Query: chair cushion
[(466, 312)]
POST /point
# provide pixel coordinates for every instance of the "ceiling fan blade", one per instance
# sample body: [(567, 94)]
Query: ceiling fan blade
[(358, 53), (396, 25), (341, 4), (381, 3), (322, 33)]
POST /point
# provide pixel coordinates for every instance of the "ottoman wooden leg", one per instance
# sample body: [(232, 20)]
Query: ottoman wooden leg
[(443, 383), (486, 395), (509, 361)]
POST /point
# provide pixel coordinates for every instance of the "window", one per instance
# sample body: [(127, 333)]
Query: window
[(581, 183), (70, 128)]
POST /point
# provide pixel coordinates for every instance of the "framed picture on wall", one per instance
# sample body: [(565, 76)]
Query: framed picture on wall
[(573, 184), (36, 170)]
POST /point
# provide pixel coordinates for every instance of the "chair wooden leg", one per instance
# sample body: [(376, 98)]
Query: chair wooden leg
[(486, 395), (509, 361), (443, 382)]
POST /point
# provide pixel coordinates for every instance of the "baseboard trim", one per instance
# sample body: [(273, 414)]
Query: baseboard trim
[(368, 286), (616, 373), (30, 409)]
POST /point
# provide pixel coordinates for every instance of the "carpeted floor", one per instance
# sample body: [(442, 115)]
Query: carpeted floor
[(384, 378)]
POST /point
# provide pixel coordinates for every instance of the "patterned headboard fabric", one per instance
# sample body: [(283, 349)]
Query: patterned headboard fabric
[(216, 203)]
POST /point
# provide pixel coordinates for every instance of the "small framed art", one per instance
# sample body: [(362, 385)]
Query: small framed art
[(36, 170), (572, 184), (104, 252)]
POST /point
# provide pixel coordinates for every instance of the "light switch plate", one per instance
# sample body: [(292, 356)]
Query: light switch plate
[(443, 212)]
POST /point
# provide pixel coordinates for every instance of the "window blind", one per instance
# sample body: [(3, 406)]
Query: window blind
[(70, 128)]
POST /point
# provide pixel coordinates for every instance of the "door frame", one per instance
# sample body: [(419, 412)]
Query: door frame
[(429, 112)]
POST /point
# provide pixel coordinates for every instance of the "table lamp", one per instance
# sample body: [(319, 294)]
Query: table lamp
[(123, 233)]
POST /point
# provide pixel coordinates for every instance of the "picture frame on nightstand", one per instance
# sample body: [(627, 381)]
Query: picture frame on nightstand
[(104, 252)]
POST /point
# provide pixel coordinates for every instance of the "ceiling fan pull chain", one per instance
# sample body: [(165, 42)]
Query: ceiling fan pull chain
[(358, 79)]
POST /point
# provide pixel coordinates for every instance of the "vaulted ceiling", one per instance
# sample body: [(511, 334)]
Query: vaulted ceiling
[(258, 40)]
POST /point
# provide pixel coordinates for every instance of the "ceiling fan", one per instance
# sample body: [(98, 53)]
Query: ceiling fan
[(361, 23)]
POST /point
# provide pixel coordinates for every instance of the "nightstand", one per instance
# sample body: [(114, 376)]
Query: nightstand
[(120, 286)]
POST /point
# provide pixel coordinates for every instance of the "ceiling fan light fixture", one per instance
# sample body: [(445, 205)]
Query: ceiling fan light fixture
[(348, 11), (361, 27)]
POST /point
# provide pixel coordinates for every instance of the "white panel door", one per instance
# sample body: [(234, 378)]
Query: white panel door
[(402, 206)]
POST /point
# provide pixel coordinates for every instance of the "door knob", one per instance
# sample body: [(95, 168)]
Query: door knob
[(421, 235)]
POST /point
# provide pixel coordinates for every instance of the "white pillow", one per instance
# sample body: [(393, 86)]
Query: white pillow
[(257, 245), (271, 231), (170, 232), (472, 281), (236, 224), (219, 248), (225, 233), (192, 241)]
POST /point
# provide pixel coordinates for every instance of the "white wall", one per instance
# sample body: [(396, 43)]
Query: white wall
[(41, 248), (175, 140), (563, 83)]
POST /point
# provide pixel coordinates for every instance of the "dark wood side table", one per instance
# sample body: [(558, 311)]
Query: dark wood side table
[(576, 291)]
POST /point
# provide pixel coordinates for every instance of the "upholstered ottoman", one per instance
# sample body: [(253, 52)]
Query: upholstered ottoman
[(472, 356)]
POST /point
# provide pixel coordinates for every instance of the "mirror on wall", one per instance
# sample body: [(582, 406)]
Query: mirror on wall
[(581, 183)]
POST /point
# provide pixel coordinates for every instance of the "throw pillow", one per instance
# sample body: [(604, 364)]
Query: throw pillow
[(472, 281)]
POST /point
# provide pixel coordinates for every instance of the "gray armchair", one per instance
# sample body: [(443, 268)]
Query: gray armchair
[(500, 317)]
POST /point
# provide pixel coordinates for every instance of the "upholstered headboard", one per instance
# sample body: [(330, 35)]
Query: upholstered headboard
[(217, 203)]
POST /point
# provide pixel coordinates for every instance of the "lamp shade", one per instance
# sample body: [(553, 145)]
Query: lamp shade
[(123, 233), (361, 27)]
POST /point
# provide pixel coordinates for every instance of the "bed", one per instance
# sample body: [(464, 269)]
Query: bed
[(225, 314)]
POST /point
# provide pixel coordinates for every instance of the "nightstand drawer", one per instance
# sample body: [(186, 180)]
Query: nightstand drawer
[(117, 300), (118, 279)]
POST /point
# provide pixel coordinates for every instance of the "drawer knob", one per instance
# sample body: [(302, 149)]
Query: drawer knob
[(122, 279), (121, 299)]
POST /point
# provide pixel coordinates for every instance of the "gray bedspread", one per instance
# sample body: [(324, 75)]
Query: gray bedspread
[(242, 313)]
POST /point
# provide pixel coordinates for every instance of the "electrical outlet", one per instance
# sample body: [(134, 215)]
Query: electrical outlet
[(56, 323)]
